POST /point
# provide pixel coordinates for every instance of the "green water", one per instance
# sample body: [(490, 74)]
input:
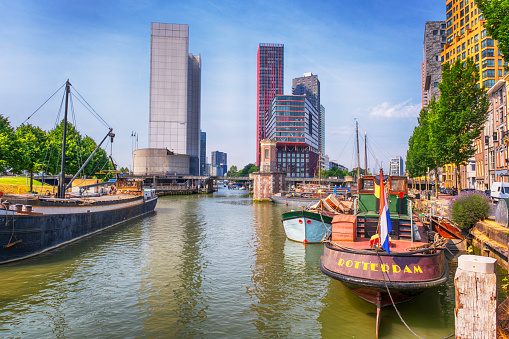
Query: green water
[(201, 266)]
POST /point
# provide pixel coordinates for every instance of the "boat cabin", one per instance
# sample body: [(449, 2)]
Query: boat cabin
[(368, 206)]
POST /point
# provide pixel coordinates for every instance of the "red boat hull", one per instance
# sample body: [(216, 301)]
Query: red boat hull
[(368, 272)]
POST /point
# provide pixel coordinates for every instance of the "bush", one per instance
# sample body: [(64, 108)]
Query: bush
[(468, 208)]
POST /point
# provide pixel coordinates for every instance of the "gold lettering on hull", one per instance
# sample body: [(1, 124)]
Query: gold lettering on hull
[(375, 267)]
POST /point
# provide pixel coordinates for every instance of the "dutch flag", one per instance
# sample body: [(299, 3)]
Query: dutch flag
[(385, 218)]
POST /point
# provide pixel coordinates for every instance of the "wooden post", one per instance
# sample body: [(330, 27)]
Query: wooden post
[(476, 297)]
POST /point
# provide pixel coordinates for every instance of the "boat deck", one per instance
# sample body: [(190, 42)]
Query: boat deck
[(396, 245)]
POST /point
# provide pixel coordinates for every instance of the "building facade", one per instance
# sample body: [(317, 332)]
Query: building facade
[(270, 69), (203, 153), (175, 93), (322, 129), (466, 37), (434, 41), (219, 163), (293, 122), (396, 166), (308, 85)]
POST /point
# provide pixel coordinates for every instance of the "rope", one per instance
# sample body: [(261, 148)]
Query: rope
[(43, 104)]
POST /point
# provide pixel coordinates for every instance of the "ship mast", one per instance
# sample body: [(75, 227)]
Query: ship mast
[(365, 154), (358, 157), (61, 186)]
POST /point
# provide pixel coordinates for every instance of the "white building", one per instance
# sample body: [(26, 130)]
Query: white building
[(175, 93), (396, 166)]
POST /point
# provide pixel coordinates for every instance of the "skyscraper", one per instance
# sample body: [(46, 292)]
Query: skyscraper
[(203, 152), (396, 166), (175, 93), (434, 41), (466, 37), (219, 163), (294, 123), (270, 67), (308, 85)]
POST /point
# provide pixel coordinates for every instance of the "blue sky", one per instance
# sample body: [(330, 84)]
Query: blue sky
[(367, 55)]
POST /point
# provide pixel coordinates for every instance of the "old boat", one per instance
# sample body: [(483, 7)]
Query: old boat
[(352, 254), (31, 224), (312, 225), (307, 195)]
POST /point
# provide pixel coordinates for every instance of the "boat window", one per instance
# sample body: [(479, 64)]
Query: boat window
[(397, 185), (506, 189), (367, 185)]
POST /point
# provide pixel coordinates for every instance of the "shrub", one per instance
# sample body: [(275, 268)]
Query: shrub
[(468, 208)]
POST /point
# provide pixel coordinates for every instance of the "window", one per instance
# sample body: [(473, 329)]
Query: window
[(435, 84), (463, 56), (477, 59), (499, 72), (489, 52), (476, 38), (266, 154), (483, 33), (463, 46), (477, 47), (435, 32)]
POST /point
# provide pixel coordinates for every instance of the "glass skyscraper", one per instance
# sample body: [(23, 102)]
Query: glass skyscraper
[(294, 123), (175, 93), (270, 66)]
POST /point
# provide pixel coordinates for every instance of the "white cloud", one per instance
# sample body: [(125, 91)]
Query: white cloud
[(396, 111)]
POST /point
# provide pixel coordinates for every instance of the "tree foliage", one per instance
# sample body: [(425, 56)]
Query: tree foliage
[(496, 13), (12, 153), (448, 127), (34, 144)]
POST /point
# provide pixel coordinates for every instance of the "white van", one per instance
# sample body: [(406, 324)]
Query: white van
[(499, 190)]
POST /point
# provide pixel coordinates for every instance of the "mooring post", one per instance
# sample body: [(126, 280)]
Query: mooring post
[(476, 297)]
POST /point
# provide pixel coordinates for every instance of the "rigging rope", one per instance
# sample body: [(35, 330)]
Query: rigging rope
[(90, 109), (43, 103)]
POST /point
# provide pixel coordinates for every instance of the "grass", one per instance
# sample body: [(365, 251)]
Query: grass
[(18, 181)]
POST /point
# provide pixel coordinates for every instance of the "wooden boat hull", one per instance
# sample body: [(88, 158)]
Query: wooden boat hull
[(24, 235), (294, 201), (363, 271), (305, 226), (446, 229)]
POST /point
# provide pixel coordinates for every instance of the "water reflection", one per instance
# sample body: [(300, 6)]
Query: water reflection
[(201, 266)]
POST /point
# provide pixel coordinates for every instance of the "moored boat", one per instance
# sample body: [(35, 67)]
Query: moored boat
[(32, 224), (406, 266), (305, 226)]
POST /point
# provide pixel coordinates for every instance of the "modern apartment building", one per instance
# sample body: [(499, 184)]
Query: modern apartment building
[(396, 166), (308, 85), (466, 37), (270, 68), (175, 93), (294, 123), (219, 163), (434, 41)]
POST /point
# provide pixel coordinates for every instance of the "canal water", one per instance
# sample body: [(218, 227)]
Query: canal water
[(201, 266)]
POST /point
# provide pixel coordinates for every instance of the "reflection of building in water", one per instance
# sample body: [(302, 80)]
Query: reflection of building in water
[(171, 279)]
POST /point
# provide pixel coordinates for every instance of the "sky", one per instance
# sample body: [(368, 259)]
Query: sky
[(367, 55)]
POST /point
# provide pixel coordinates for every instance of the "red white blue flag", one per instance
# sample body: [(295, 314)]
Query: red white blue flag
[(385, 218)]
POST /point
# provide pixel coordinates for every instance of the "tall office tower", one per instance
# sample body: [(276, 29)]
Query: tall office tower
[(270, 66), (219, 163), (434, 41), (294, 123), (396, 166), (203, 152), (466, 37), (308, 85), (322, 129), (175, 93)]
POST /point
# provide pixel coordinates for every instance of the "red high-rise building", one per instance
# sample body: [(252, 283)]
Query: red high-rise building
[(270, 66)]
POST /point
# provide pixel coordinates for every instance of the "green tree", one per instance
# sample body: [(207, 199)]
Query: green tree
[(12, 152), (459, 114), (232, 172), (78, 149), (246, 170), (34, 144), (496, 13)]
